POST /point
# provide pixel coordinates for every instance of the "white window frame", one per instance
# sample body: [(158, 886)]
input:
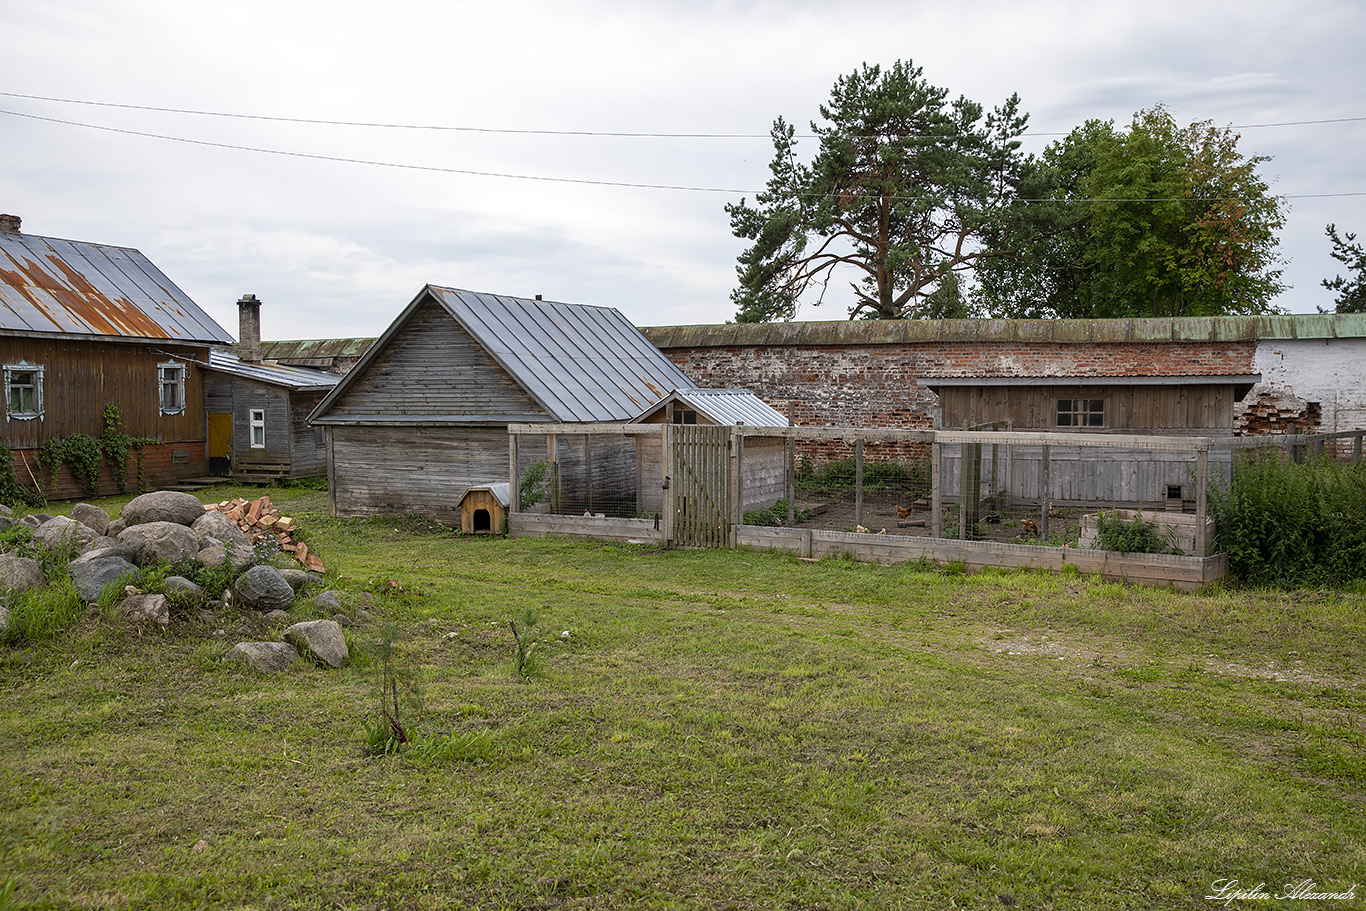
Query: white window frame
[(256, 424), (37, 386), (181, 374)]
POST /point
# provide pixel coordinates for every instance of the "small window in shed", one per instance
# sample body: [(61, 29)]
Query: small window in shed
[(257, 423), (171, 387), (23, 391), (1081, 412), (685, 416)]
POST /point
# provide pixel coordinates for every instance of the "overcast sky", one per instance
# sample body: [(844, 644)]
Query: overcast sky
[(337, 249)]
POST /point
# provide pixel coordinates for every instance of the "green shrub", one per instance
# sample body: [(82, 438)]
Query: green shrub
[(534, 485), (1286, 524)]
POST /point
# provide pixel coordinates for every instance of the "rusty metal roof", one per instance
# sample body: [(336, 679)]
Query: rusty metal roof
[(295, 378), (723, 406), (579, 362), (67, 287), (1056, 331), (314, 352)]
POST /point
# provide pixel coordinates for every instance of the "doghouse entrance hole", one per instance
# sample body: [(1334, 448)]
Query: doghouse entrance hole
[(482, 522)]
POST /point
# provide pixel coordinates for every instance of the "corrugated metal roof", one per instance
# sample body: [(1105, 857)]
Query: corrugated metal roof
[(1059, 331), (275, 374), (69, 287), (723, 406), (581, 363)]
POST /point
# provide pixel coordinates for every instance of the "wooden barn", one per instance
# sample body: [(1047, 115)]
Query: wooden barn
[(423, 415), (257, 411), (84, 326), (763, 463)]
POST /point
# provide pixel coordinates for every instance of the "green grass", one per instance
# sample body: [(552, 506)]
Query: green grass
[(719, 729)]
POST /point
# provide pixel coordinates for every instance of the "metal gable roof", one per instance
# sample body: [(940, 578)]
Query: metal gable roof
[(724, 406), (50, 285), (296, 378), (582, 363)]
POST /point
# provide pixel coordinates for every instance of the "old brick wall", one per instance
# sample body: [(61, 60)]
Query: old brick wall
[(863, 385)]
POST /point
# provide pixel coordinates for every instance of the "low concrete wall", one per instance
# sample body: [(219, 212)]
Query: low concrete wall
[(1186, 573)]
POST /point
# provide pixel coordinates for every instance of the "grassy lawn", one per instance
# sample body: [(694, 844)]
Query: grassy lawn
[(717, 730)]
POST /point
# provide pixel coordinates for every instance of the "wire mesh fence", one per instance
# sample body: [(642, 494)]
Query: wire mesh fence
[(599, 472)]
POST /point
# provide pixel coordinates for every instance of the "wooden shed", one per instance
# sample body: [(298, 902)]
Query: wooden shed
[(1173, 405), (764, 459), (84, 326), (423, 415)]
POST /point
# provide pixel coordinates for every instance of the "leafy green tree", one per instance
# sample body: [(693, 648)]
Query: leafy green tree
[(902, 190), (1351, 290), (1156, 220)]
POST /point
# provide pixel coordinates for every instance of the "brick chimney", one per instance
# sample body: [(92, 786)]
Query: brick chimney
[(9, 224), (249, 329)]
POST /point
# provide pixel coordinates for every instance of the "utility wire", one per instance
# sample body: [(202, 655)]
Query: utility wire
[(527, 132), (577, 180)]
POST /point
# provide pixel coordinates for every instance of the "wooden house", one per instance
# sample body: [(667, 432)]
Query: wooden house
[(763, 460), (257, 411), (423, 415), (85, 326)]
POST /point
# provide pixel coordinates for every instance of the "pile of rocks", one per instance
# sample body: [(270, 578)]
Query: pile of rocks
[(173, 526)]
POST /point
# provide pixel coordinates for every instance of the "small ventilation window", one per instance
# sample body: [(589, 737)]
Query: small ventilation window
[(1081, 412), (171, 387), (685, 416)]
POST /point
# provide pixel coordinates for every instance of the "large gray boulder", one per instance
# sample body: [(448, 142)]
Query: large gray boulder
[(61, 531), (322, 639), (262, 588), (153, 541), (19, 574), (215, 526), (181, 585), (92, 517), (163, 506), (91, 576), (106, 547), (266, 657)]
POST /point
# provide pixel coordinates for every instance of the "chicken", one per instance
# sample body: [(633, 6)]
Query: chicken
[(903, 512), (1030, 527)]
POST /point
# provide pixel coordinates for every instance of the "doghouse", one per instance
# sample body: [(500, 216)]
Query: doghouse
[(484, 509)]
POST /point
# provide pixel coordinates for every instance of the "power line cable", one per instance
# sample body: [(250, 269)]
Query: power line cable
[(531, 132), (577, 180)]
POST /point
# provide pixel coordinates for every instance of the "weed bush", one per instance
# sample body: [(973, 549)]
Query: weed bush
[(1131, 536), (1288, 524), (775, 515), (42, 613)]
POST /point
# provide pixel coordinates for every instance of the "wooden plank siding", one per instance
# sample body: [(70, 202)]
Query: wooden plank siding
[(293, 449), (81, 377), (433, 367), (1177, 409), (396, 469)]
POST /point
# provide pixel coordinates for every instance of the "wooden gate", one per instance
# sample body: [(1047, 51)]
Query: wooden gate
[(701, 497)]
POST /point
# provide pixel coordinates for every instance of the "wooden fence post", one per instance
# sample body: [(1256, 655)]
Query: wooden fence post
[(858, 481), (1045, 495), (514, 478), (791, 481), (936, 495), (1201, 499)]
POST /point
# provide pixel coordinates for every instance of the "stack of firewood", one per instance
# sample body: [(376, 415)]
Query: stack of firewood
[(260, 520)]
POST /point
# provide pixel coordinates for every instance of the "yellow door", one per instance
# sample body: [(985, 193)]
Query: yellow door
[(220, 443)]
